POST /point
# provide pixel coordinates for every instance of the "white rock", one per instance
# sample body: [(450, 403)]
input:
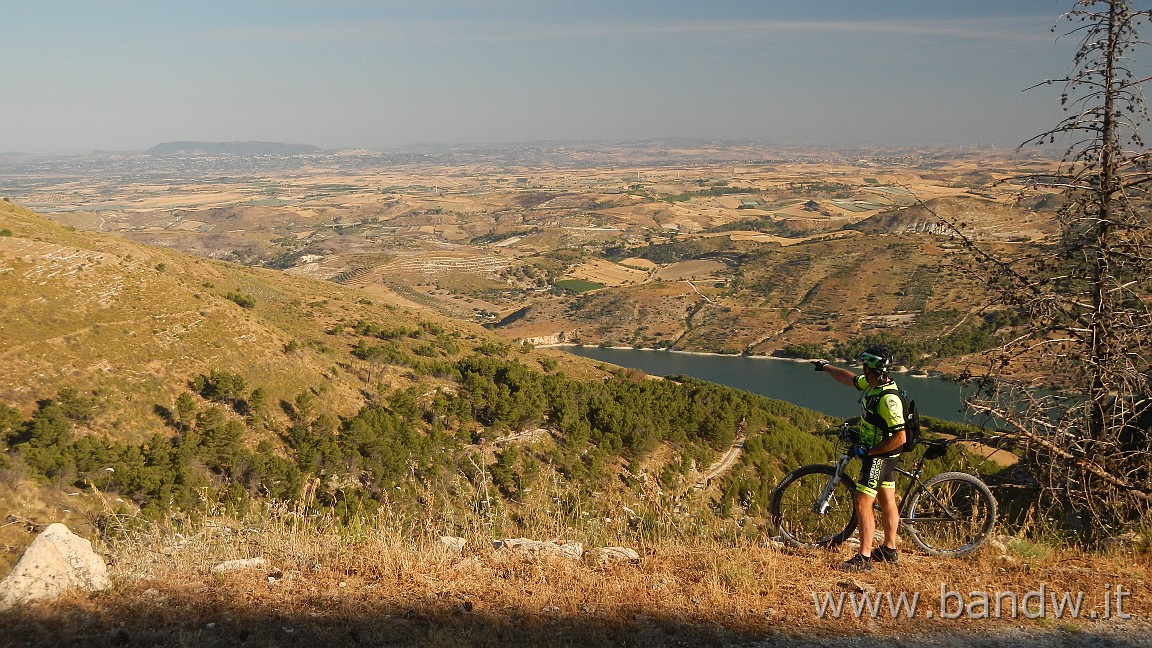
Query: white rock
[(603, 556), (535, 548), (236, 565), (453, 545), (57, 561), (1001, 543)]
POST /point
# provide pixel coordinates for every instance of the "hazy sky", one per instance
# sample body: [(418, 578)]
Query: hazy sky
[(80, 75)]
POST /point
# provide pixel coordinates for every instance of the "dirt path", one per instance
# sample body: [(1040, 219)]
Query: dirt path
[(723, 464)]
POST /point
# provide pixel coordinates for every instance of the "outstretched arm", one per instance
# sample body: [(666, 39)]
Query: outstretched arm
[(841, 375)]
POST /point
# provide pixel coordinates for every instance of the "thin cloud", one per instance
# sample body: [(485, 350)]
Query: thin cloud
[(449, 30), (1011, 29)]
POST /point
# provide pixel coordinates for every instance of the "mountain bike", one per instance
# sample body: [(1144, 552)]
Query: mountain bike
[(950, 514)]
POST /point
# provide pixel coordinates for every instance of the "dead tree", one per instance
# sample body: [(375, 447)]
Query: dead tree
[(1072, 383)]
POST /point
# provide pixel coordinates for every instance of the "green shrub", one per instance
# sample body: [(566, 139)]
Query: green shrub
[(243, 301)]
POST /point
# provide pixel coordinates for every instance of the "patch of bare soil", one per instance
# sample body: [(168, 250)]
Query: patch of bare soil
[(608, 273), (694, 269)]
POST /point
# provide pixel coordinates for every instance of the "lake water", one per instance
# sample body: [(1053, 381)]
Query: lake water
[(786, 380)]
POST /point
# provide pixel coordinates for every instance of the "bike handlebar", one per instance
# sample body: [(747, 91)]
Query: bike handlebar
[(850, 435)]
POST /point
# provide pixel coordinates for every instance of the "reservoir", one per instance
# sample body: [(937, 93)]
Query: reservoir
[(786, 380)]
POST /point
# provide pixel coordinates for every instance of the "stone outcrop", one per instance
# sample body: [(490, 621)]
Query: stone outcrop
[(536, 548), (56, 562), (240, 564), (1126, 543), (567, 549), (604, 556)]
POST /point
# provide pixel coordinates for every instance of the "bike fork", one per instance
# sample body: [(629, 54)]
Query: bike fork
[(820, 506)]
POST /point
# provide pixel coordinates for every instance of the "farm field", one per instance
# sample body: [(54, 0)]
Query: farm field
[(607, 273)]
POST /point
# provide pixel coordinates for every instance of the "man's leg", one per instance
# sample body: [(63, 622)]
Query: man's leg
[(862, 501), (889, 511), (890, 514), (867, 520)]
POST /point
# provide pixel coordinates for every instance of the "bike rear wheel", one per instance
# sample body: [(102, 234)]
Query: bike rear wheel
[(794, 500), (950, 515)]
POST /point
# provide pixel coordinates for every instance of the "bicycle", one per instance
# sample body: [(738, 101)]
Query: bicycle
[(949, 515)]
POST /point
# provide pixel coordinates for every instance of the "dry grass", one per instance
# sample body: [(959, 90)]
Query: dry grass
[(376, 583)]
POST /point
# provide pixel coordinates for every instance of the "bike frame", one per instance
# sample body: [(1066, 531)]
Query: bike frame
[(821, 504)]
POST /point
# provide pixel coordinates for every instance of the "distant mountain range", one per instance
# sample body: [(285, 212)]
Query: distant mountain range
[(231, 148)]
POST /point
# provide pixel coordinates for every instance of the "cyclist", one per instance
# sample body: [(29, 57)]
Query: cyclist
[(881, 438)]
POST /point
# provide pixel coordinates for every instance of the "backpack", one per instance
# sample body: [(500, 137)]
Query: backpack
[(911, 417), (911, 425)]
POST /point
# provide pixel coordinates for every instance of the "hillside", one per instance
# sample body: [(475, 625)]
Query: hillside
[(104, 315), (184, 411), (125, 330), (897, 274), (174, 384), (983, 219)]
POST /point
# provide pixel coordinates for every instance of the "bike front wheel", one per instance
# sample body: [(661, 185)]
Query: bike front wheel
[(950, 515), (794, 508)]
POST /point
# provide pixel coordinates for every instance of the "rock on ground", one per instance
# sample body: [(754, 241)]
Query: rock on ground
[(604, 556), (533, 548), (57, 561), (240, 564)]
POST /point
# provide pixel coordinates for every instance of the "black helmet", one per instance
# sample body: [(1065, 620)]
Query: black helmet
[(876, 357)]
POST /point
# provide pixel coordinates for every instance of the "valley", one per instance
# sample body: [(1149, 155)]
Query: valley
[(697, 246), (333, 361)]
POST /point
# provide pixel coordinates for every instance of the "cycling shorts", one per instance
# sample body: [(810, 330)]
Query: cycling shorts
[(876, 473)]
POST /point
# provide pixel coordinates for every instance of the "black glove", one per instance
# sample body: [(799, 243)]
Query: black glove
[(859, 450), (819, 364)]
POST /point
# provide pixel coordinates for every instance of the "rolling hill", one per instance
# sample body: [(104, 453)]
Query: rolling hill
[(899, 273), (172, 383), (101, 314)]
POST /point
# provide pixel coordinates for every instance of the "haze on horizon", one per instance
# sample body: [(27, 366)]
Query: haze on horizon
[(129, 74)]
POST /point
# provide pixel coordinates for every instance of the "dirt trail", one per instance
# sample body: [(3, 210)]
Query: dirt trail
[(723, 464)]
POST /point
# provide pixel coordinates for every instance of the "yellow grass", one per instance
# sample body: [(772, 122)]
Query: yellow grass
[(374, 583)]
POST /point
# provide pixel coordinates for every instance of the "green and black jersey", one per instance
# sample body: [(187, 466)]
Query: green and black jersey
[(882, 414)]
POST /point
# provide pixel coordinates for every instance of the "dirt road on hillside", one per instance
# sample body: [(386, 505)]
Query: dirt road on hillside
[(723, 464)]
